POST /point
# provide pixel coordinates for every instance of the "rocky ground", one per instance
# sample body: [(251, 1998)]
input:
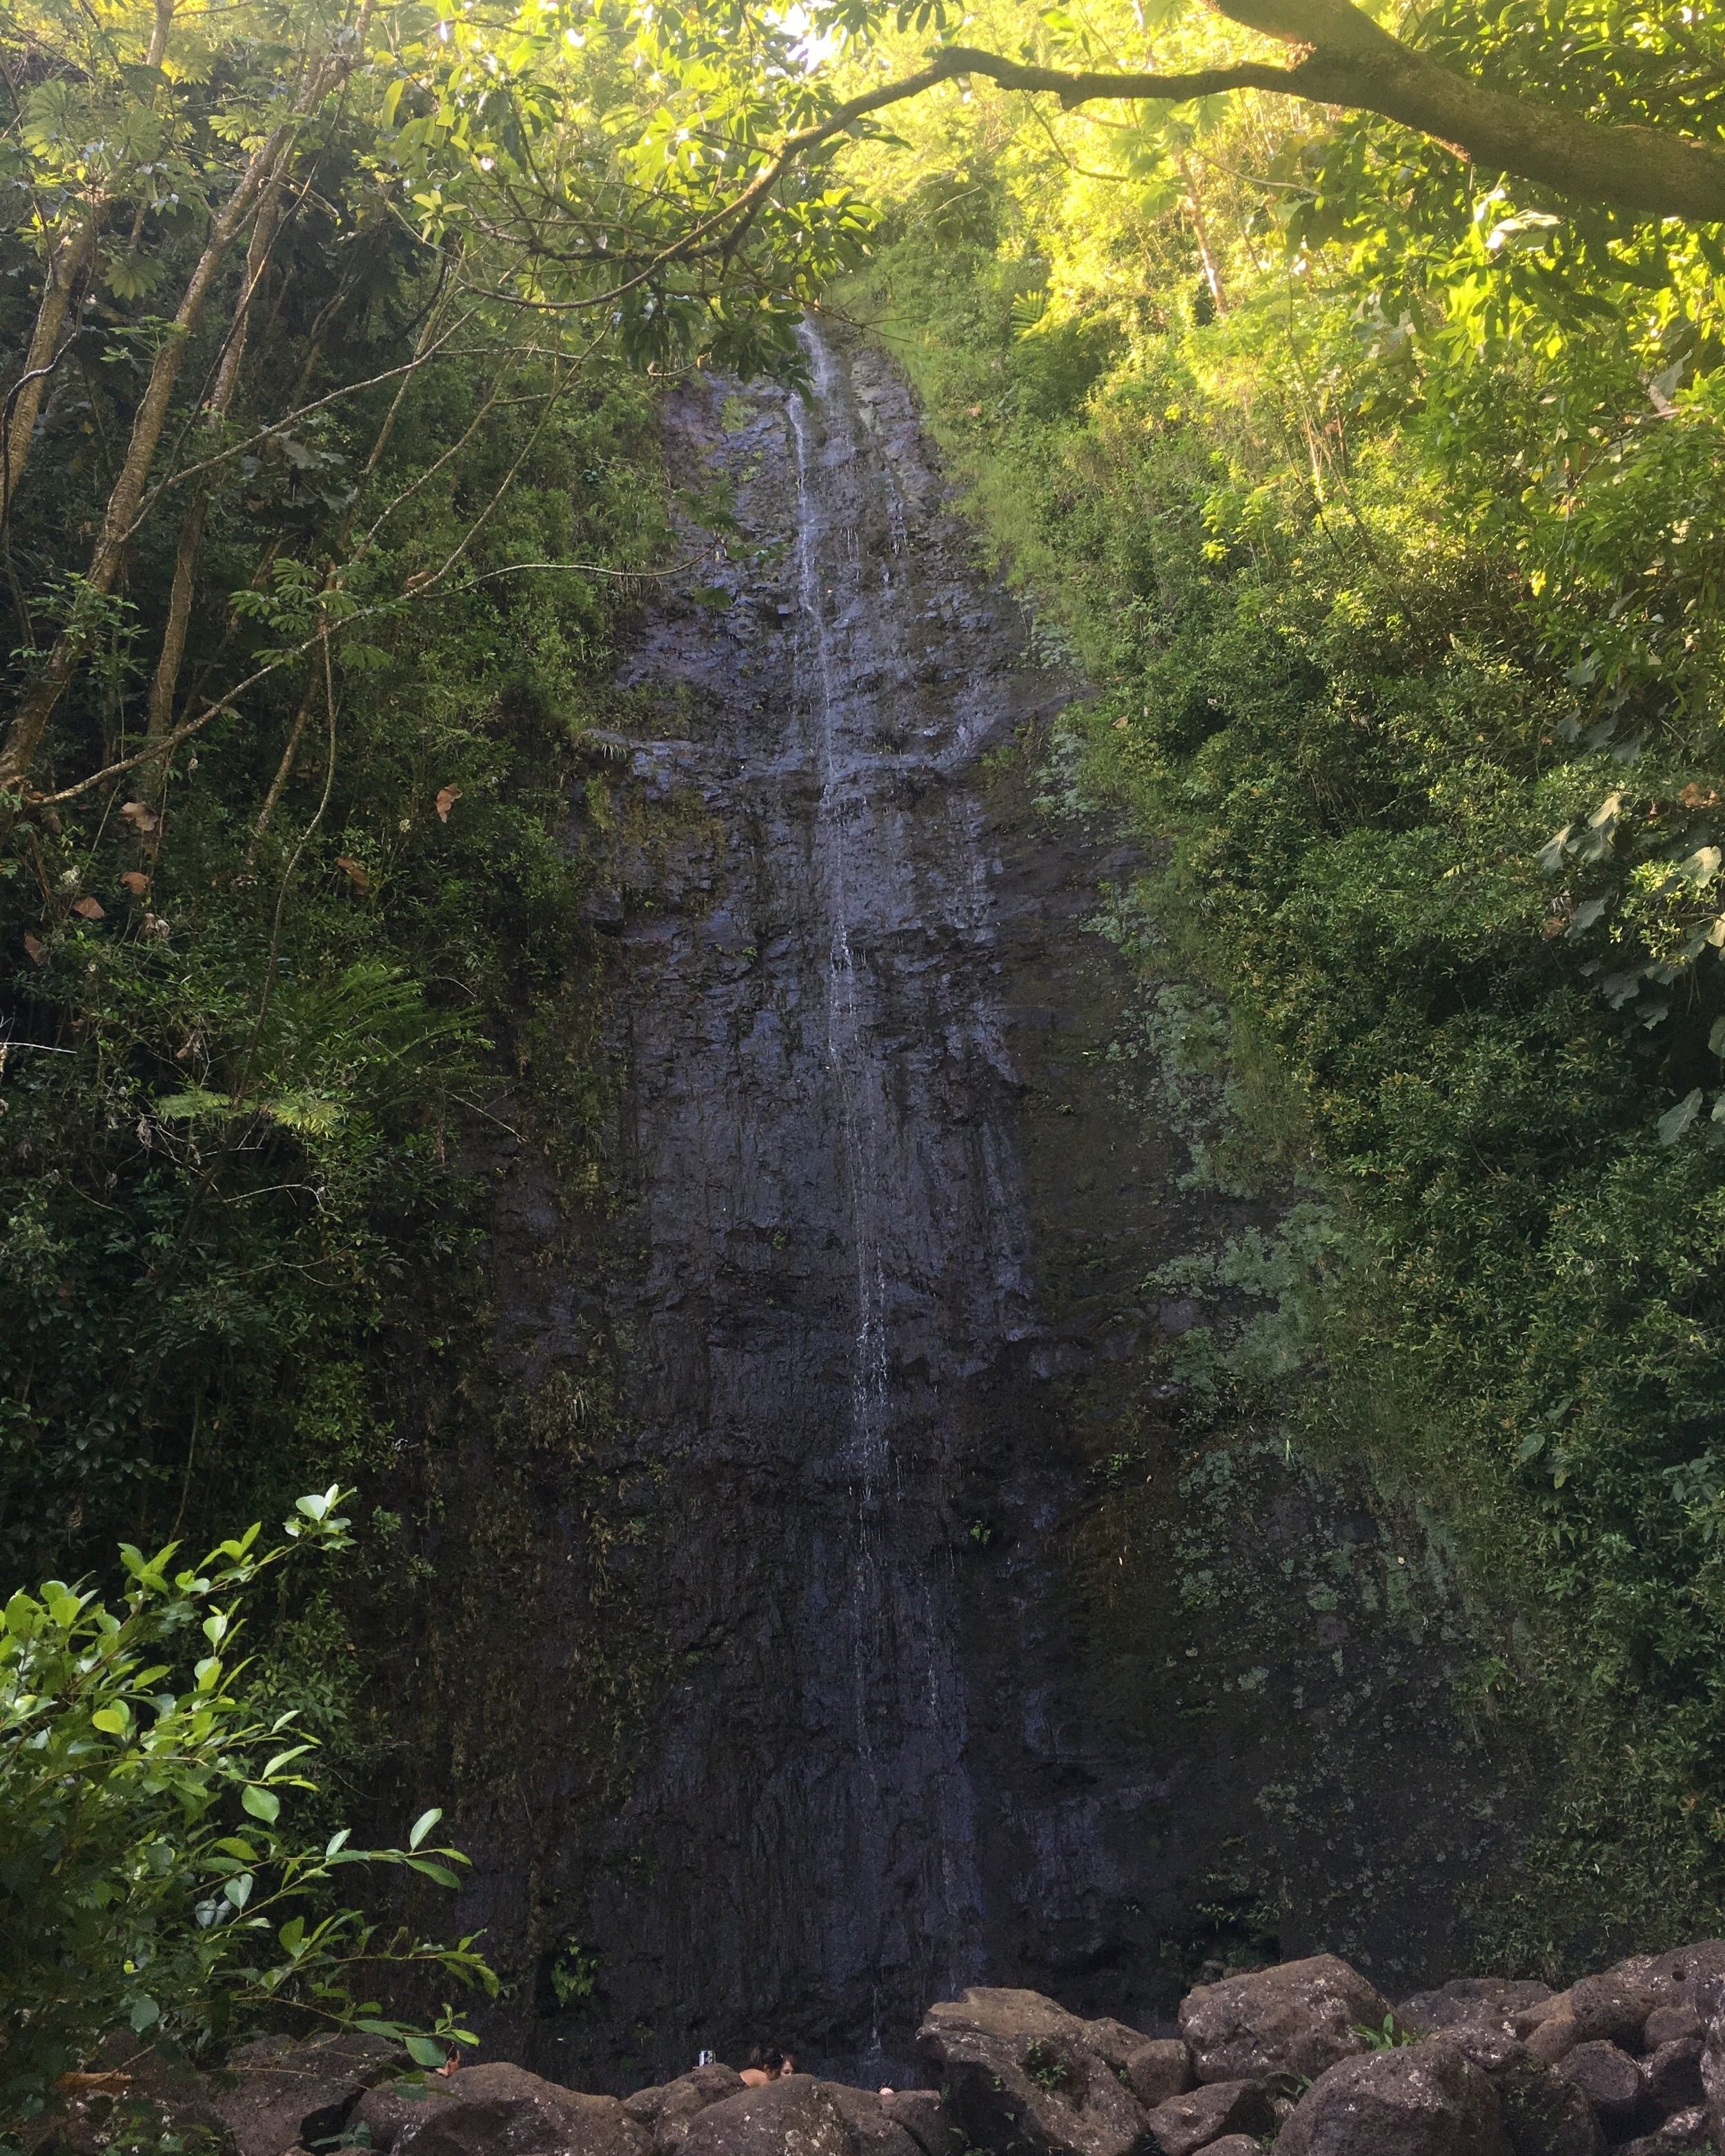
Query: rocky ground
[(1305, 2057)]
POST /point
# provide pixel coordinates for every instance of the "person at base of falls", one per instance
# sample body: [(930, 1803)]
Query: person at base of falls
[(767, 2065)]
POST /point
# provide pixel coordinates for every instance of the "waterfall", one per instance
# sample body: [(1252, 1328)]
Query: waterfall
[(836, 1274)]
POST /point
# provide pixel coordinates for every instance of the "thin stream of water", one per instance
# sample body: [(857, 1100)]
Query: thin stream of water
[(920, 1623)]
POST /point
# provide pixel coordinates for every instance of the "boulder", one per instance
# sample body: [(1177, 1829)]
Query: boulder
[(1607, 2077), (1611, 2007), (1675, 1976), (795, 2117), (1709, 2002), (1202, 2116), (1234, 2144), (710, 2083), (505, 2111), (1424, 2099), (1671, 2076), (1291, 2022), (1472, 2002), (1552, 2038), (925, 2118), (1020, 2080), (273, 2094), (667, 2111), (1543, 2115), (874, 2131), (280, 2092), (386, 2111), (1671, 2024), (1684, 2133), (1154, 2068), (998, 2011)]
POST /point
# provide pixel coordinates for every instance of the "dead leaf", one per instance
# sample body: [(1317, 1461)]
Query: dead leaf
[(140, 815), (361, 877), (446, 801), (972, 411), (1121, 725), (89, 909), (36, 951), (114, 2078), (136, 882)]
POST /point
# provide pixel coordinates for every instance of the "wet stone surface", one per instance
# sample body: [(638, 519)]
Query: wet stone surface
[(975, 1660)]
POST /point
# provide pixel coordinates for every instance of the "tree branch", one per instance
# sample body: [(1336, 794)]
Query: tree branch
[(1343, 58)]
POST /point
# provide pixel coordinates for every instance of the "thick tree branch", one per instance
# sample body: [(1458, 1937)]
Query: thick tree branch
[(1346, 59), (1343, 58)]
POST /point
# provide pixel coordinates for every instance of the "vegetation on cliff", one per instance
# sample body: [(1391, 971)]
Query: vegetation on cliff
[(1378, 493), (1379, 489)]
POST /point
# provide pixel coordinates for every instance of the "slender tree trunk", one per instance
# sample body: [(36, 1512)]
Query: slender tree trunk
[(179, 606), (1201, 232), (30, 719), (66, 260), (284, 771)]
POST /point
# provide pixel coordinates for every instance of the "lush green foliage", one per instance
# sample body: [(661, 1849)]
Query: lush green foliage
[(1391, 537), (1382, 500), (261, 992), (152, 1877)]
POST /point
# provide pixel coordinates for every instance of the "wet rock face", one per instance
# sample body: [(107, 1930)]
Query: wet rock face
[(940, 1688), (837, 1252)]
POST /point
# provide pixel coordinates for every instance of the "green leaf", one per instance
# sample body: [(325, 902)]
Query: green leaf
[(262, 1803), (424, 1824), (195, 1101), (1675, 1122), (1529, 229), (424, 2052), (1552, 853)]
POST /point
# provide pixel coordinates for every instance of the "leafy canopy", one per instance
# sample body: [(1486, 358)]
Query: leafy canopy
[(150, 1878)]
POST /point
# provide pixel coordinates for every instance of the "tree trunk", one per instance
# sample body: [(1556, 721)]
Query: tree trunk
[(1201, 232), (36, 707), (65, 261), (179, 606)]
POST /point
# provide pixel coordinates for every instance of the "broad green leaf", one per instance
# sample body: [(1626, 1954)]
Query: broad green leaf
[(1675, 1122)]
